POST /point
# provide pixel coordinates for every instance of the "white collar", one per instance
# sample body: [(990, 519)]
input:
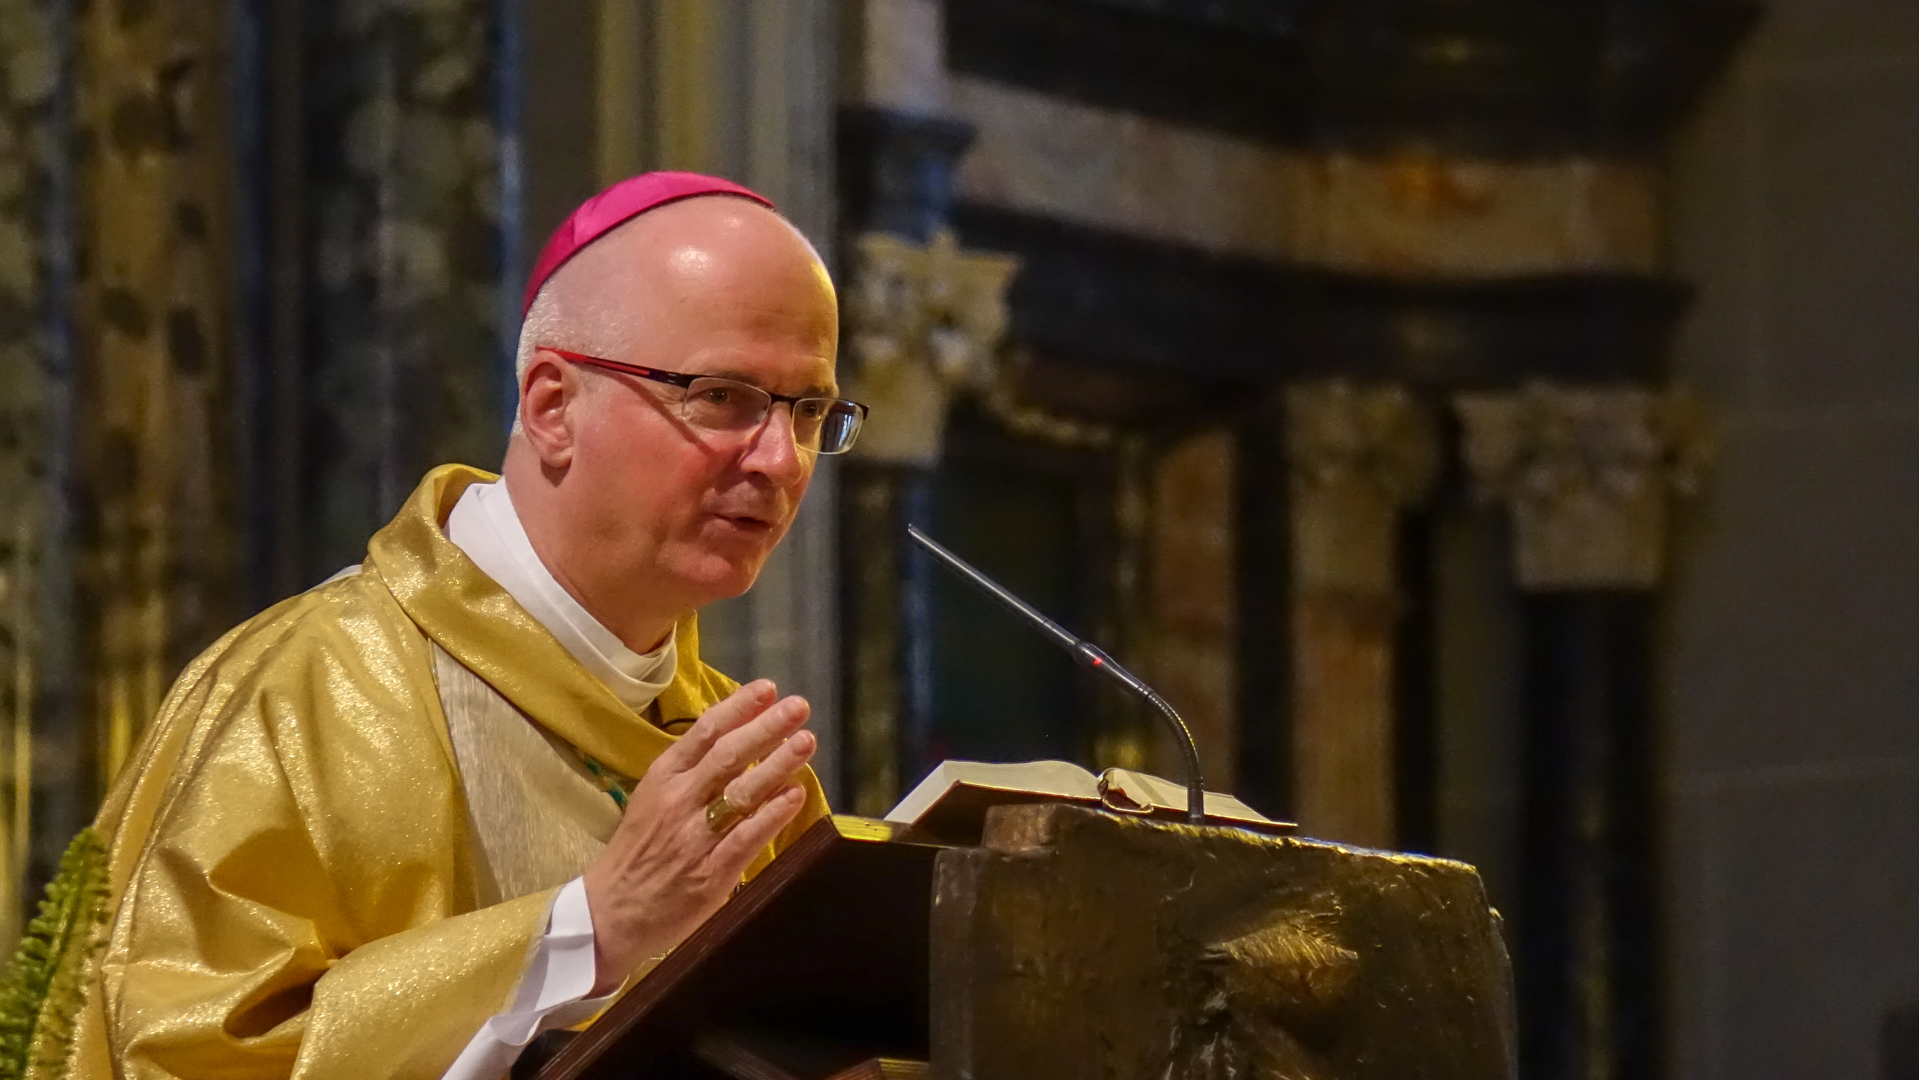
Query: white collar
[(485, 525)]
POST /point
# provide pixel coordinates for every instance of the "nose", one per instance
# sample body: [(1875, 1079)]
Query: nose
[(772, 452)]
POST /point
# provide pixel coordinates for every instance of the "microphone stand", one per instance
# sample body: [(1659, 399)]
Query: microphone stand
[(1093, 657)]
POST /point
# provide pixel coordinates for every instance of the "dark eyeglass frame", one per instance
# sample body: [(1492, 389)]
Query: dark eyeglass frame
[(685, 382)]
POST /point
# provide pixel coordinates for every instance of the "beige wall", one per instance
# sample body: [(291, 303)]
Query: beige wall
[(1793, 691)]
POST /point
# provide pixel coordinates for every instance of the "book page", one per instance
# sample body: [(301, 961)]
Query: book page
[(1147, 791), (1061, 778)]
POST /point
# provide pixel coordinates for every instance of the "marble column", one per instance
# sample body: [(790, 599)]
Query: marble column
[(1357, 457), (1588, 476)]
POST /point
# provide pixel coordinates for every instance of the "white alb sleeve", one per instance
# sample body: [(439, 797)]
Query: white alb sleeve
[(552, 993)]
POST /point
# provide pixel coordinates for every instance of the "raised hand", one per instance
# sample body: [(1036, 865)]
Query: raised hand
[(668, 867)]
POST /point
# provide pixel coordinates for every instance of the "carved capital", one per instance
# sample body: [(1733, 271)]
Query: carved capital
[(1588, 475), (1357, 456), (922, 322)]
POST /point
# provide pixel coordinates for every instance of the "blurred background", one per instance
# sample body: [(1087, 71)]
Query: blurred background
[(1494, 423)]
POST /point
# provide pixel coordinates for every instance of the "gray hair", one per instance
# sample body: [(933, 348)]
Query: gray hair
[(541, 326), (550, 324)]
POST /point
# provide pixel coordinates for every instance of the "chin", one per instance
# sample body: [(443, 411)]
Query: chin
[(723, 577), (730, 557)]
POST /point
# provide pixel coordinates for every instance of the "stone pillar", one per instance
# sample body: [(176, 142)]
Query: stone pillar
[(1587, 475), (1357, 456)]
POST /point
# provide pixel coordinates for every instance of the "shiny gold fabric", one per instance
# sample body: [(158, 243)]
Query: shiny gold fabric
[(289, 846)]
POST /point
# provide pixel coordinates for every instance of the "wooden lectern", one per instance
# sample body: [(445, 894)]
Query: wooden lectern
[(1072, 943)]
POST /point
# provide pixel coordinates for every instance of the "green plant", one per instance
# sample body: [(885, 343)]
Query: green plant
[(45, 987)]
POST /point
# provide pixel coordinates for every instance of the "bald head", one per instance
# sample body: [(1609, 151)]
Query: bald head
[(604, 298), (641, 514)]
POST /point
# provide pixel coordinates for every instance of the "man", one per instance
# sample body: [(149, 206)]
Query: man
[(465, 792)]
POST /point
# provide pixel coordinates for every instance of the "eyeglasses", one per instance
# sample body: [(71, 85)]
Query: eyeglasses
[(820, 424)]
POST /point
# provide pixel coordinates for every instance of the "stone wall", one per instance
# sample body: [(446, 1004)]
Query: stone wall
[(1793, 750)]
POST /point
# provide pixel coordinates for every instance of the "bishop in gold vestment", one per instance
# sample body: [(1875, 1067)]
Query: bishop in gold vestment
[(296, 836), (374, 822)]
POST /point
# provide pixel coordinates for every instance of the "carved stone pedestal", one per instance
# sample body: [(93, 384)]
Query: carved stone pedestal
[(1077, 944)]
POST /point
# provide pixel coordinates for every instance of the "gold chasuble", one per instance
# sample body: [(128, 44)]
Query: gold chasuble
[(295, 887)]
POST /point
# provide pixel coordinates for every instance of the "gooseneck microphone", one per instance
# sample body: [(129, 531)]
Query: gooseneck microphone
[(1093, 657)]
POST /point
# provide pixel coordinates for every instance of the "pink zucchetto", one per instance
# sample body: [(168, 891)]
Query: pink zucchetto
[(616, 205)]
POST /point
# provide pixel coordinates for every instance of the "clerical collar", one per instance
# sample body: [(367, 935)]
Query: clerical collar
[(485, 525)]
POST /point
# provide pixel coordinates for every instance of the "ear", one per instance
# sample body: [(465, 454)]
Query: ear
[(549, 407)]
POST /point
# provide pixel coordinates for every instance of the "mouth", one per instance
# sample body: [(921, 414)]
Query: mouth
[(747, 524)]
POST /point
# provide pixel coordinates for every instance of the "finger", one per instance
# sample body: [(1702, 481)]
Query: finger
[(734, 751), (774, 772), (745, 746), (737, 849), (739, 707)]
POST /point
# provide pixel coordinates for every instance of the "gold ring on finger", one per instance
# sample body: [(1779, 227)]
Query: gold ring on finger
[(722, 815)]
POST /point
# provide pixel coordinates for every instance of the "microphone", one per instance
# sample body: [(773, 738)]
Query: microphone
[(1091, 656)]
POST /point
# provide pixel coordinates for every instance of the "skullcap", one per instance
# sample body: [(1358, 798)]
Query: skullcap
[(617, 205)]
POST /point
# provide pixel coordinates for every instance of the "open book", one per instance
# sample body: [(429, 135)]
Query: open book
[(952, 801)]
